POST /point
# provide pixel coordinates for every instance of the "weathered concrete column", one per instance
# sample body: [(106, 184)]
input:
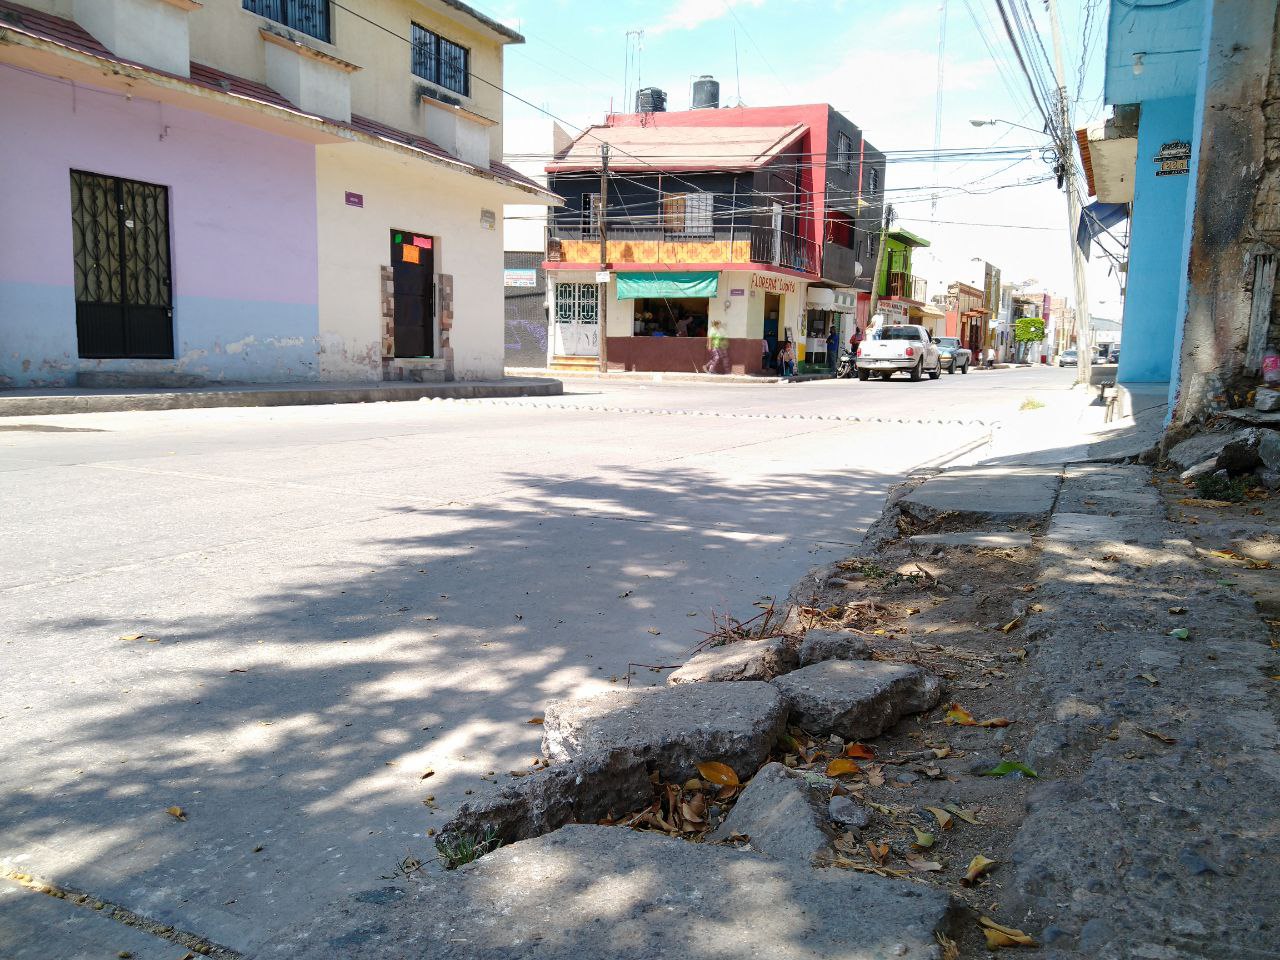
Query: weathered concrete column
[(1236, 217)]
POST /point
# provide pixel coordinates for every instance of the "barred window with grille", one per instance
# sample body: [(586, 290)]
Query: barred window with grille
[(306, 16), (441, 61), (844, 152), (688, 214)]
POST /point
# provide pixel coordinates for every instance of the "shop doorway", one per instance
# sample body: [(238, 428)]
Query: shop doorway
[(413, 292), (577, 326), (772, 311)]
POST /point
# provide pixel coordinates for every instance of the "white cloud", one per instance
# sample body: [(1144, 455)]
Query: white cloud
[(691, 14)]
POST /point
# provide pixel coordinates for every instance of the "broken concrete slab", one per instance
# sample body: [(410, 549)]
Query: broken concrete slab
[(587, 788), (1072, 527), (856, 699), (592, 892), (1269, 449), (821, 645), (1240, 453), (992, 492), (1266, 400), (672, 728), (1196, 450), (779, 814), (1254, 418), (972, 538), (1201, 469), (744, 660)]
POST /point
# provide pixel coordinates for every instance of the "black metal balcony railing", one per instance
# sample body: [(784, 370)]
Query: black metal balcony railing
[(907, 285), (306, 16), (839, 264), (782, 249)]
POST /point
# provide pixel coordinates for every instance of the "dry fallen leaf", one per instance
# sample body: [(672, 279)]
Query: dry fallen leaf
[(968, 816), (923, 838), (842, 767), (922, 865), (655, 631), (176, 812), (977, 867), (879, 852), (875, 775), (950, 949), (718, 773), (534, 720), (859, 751), (1154, 735), (942, 816), (999, 935), (133, 636), (1011, 625), (959, 716)]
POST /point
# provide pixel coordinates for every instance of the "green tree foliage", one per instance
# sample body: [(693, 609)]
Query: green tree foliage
[(1029, 329)]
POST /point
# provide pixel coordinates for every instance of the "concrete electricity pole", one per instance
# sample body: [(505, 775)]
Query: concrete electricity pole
[(1066, 156), (603, 223)]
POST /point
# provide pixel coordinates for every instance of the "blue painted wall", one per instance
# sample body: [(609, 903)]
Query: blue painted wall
[(1152, 310)]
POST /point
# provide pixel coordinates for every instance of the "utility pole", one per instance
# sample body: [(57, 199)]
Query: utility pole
[(1066, 156), (602, 220)]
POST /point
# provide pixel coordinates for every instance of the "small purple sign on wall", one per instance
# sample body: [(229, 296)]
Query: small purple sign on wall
[(737, 292), (355, 199)]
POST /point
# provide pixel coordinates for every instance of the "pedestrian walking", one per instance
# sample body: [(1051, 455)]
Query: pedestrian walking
[(833, 347), (764, 353), (991, 358)]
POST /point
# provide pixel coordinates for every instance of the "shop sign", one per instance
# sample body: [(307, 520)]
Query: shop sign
[(355, 199), (738, 292), (519, 278), (1173, 159), (760, 281), (488, 220), (894, 313)]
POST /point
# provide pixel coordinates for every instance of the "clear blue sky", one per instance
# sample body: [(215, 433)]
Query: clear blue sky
[(874, 61)]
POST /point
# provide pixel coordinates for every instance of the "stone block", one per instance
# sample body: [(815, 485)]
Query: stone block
[(779, 814), (1201, 469), (585, 789), (744, 660), (672, 728), (856, 699), (590, 892), (821, 645), (1266, 400), (1269, 449), (1196, 450), (1240, 453)]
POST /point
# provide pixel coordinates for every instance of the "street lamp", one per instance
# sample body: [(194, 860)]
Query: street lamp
[(1008, 123)]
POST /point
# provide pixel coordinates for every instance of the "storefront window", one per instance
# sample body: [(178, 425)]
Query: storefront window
[(671, 317)]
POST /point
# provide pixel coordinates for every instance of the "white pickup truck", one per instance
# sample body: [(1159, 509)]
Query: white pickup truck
[(904, 348)]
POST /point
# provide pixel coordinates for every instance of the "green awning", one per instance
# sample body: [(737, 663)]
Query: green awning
[(698, 283)]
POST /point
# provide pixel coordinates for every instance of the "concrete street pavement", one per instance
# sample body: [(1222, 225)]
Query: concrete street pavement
[(332, 603)]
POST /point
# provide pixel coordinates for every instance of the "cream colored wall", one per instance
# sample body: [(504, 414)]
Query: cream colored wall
[(404, 193), (225, 35)]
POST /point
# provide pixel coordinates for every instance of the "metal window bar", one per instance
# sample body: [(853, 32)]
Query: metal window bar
[(311, 17), (441, 61)]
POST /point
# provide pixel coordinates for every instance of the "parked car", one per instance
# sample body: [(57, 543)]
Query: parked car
[(1068, 358), (953, 355), (904, 348)]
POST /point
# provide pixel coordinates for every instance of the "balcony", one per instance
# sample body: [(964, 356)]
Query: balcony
[(579, 242), (781, 249), (839, 264), (906, 285)]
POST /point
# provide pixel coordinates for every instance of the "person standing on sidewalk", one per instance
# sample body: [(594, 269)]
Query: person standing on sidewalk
[(990, 361), (833, 347)]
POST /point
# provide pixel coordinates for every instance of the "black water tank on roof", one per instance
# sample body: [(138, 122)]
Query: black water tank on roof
[(650, 100), (706, 93)]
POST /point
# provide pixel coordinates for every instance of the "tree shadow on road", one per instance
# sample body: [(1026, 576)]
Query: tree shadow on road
[(293, 721)]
